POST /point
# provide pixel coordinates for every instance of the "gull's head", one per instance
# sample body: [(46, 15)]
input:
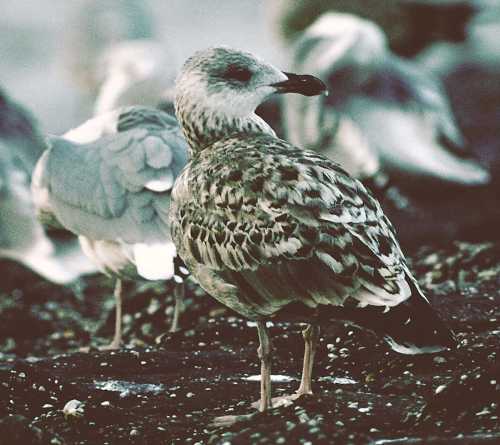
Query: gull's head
[(337, 40), (234, 82)]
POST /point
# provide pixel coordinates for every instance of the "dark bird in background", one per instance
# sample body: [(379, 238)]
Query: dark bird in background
[(22, 237), (278, 233), (109, 182)]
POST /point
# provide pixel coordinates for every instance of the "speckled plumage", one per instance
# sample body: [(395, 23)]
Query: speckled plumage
[(263, 225), (279, 233), (269, 215)]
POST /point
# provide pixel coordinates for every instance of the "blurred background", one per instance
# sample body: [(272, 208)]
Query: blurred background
[(48, 48)]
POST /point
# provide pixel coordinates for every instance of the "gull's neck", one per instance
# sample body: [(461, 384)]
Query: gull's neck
[(202, 127)]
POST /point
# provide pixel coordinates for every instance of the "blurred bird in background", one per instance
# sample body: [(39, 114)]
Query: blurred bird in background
[(109, 182), (96, 27), (135, 72), (22, 237), (400, 109)]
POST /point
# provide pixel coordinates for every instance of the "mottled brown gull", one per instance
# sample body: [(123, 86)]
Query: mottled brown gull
[(109, 181), (279, 233)]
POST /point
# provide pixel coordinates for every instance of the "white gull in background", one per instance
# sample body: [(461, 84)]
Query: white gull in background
[(109, 181), (22, 237), (400, 109), (135, 72)]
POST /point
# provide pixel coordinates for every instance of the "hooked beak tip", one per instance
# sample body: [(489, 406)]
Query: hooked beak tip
[(304, 84)]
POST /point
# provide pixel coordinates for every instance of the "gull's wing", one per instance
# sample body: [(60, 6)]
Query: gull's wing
[(406, 85), (111, 178), (419, 134), (286, 225)]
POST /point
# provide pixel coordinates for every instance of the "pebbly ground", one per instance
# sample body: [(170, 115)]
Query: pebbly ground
[(168, 388)]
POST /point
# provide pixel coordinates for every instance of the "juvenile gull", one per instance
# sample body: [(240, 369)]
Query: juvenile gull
[(22, 237), (109, 181), (279, 233), (401, 110)]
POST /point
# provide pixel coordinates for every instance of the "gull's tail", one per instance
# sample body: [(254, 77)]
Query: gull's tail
[(411, 327)]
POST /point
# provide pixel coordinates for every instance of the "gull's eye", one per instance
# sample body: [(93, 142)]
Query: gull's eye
[(237, 72)]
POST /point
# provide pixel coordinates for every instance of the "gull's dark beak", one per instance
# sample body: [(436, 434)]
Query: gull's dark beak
[(304, 84)]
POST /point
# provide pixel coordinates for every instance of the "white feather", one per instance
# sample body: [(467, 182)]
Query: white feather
[(155, 262)]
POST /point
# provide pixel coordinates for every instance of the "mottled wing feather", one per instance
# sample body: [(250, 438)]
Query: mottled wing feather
[(262, 217)]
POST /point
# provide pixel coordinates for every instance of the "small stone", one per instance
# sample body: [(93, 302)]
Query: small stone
[(134, 432), (439, 389), (73, 409)]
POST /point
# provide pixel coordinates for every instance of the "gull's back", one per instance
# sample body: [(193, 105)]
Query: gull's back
[(275, 231), (110, 179)]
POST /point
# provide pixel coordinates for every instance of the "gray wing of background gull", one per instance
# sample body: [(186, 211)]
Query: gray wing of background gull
[(22, 238), (110, 179), (117, 181), (411, 87), (400, 109)]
